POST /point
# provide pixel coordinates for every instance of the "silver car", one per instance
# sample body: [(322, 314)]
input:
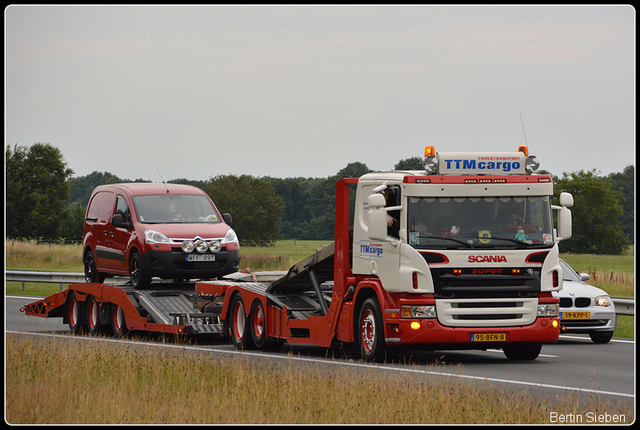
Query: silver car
[(585, 308)]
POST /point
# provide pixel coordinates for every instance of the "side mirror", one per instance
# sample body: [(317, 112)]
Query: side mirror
[(118, 221), (227, 218), (585, 277), (377, 224), (376, 201), (566, 200), (564, 224)]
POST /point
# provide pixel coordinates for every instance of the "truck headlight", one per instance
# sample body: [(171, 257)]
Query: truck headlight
[(548, 310), (602, 301), (422, 311), (230, 237)]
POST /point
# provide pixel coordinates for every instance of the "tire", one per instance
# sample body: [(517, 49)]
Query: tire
[(371, 331), (139, 279), (601, 336), (118, 321), (239, 324), (258, 325), (522, 351), (75, 314), (91, 273), (93, 317)]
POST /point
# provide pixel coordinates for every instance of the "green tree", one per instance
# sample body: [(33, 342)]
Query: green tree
[(73, 225), (413, 163), (253, 204), (595, 214), (37, 190), (624, 182)]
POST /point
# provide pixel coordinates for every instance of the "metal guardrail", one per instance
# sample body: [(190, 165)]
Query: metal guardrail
[(623, 306), (62, 278)]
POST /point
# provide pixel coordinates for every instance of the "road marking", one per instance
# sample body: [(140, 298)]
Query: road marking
[(233, 351)]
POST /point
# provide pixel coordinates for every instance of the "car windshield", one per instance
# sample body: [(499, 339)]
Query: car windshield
[(568, 274), (174, 208), (479, 222)]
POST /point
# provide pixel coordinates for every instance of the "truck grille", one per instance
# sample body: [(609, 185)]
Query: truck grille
[(499, 312), (492, 282)]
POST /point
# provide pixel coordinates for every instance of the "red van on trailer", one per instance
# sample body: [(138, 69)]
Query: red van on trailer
[(147, 230)]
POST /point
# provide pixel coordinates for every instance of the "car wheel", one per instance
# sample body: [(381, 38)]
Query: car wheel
[(139, 279), (91, 273), (601, 336)]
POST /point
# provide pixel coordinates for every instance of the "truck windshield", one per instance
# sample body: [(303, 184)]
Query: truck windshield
[(174, 208), (485, 222)]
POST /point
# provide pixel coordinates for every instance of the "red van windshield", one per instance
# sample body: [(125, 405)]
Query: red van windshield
[(174, 208)]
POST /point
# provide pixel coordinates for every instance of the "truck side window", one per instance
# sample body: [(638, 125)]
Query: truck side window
[(122, 208), (392, 196)]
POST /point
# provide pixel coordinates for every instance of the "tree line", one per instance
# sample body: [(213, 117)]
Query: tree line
[(44, 202)]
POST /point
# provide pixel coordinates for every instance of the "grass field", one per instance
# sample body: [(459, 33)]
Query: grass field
[(49, 382)]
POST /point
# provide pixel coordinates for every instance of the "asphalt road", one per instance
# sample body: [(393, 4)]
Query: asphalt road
[(572, 365)]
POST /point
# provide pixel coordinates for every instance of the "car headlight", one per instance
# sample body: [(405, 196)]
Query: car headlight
[(152, 237), (214, 246), (548, 310), (602, 301), (188, 246), (230, 237), (423, 311), (201, 246)]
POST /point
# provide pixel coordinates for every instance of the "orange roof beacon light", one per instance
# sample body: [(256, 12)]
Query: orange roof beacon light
[(524, 149), (430, 161)]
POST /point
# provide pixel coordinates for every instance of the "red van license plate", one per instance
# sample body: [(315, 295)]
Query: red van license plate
[(200, 257)]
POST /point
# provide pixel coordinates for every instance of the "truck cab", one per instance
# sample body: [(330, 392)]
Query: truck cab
[(467, 243)]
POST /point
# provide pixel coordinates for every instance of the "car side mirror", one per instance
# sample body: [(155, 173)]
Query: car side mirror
[(227, 218), (118, 221), (585, 277)]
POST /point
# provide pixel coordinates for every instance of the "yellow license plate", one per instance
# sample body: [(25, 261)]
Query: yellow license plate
[(488, 337), (575, 315)]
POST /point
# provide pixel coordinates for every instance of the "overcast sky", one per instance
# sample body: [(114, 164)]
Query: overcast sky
[(289, 91)]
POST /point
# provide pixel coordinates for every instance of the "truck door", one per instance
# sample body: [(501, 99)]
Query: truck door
[(387, 262)]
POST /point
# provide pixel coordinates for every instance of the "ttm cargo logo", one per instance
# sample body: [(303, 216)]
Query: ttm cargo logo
[(371, 249)]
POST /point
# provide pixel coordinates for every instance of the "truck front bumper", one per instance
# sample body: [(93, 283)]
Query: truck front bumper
[(430, 332)]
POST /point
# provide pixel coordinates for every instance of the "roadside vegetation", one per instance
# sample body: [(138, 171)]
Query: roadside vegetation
[(613, 273), (140, 385)]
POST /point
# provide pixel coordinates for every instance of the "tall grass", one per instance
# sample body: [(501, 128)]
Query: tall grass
[(53, 382)]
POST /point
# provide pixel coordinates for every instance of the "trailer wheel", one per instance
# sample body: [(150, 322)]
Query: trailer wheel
[(238, 324), (371, 338), (139, 279), (93, 317), (522, 351), (258, 325), (74, 313), (118, 321)]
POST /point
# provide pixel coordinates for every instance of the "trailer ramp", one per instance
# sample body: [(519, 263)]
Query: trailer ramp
[(173, 307)]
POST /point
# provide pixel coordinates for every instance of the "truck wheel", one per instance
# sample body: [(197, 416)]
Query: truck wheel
[(93, 317), (118, 321), (522, 351), (371, 331), (74, 313), (258, 325), (91, 273), (139, 279), (238, 324)]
